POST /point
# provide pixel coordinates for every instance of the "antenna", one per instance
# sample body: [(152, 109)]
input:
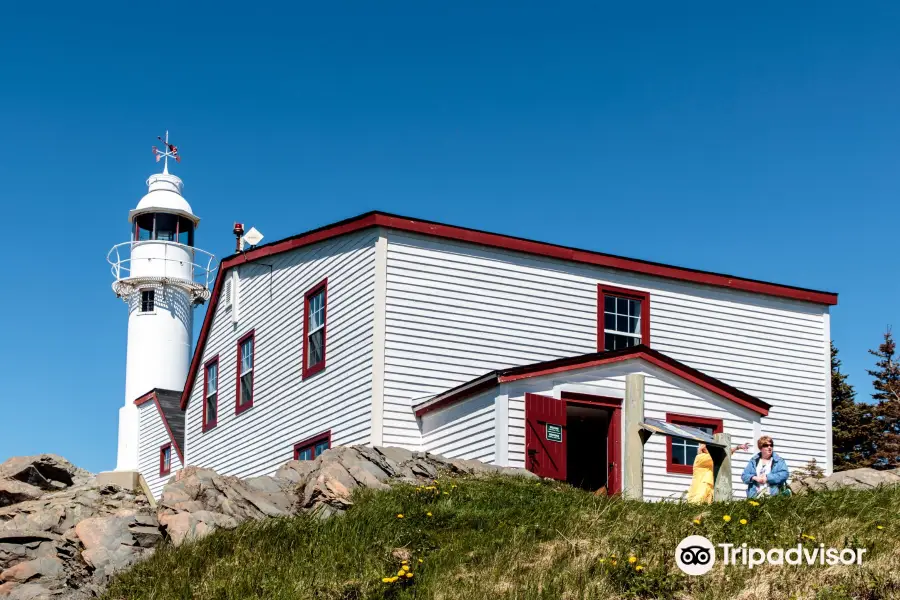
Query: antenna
[(167, 151)]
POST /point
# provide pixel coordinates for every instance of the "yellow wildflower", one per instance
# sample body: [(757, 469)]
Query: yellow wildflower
[(613, 563), (754, 503), (632, 559), (880, 526), (400, 573), (408, 575), (421, 561), (400, 516), (428, 514), (446, 493), (403, 562), (696, 521), (743, 521), (639, 568), (726, 518), (386, 579)]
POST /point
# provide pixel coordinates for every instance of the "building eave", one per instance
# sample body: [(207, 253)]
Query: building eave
[(492, 240)]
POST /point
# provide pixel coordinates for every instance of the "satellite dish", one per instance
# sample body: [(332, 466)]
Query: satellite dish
[(253, 237)]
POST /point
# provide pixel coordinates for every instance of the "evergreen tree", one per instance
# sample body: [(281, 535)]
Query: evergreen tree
[(853, 424), (887, 393)]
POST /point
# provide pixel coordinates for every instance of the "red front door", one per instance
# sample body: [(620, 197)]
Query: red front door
[(545, 436)]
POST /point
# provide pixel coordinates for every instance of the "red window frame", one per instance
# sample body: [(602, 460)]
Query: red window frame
[(322, 286), (163, 468), (609, 290), (215, 360), (238, 407), (311, 444), (690, 421)]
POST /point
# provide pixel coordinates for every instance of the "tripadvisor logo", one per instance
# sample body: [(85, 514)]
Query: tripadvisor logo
[(696, 555)]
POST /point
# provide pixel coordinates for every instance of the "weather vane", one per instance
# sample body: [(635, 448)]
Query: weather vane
[(167, 151)]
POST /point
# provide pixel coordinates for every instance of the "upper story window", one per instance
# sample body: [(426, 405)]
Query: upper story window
[(246, 357), (210, 394), (314, 329), (165, 459), (681, 452), (624, 319), (148, 301), (313, 447)]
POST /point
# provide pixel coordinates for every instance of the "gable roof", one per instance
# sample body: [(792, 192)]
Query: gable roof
[(168, 405), (491, 240), (594, 359)]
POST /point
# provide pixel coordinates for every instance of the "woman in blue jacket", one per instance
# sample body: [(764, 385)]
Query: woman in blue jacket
[(766, 474)]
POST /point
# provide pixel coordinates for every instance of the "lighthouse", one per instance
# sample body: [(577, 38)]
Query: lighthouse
[(162, 277)]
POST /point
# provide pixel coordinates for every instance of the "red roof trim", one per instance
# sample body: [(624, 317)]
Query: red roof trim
[(585, 361), (152, 396), (492, 240)]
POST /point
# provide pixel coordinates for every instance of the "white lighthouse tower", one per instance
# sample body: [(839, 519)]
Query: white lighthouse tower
[(161, 276)]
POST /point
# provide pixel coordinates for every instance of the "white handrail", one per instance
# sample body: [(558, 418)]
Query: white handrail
[(120, 266)]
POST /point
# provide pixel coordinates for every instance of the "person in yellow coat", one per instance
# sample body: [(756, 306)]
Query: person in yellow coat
[(701, 490)]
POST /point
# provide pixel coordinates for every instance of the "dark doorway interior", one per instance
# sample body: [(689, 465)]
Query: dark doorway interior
[(587, 429)]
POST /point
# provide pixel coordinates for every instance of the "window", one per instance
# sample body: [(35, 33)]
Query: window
[(314, 329), (245, 359), (165, 460), (148, 301), (312, 447), (681, 452), (210, 394), (623, 320)]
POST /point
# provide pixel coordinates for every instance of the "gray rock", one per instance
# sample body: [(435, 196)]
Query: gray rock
[(13, 491), (860, 479), (48, 567), (45, 471)]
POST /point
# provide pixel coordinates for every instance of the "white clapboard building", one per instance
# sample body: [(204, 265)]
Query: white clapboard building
[(387, 330)]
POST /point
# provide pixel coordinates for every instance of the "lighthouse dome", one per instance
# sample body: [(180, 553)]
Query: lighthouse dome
[(164, 196)]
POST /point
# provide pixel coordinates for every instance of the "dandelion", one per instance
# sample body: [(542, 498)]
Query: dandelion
[(399, 515), (880, 527), (428, 514), (632, 559), (726, 518), (386, 579), (421, 561), (400, 573), (446, 493), (696, 521), (409, 575), (639, 568), (743, 521), (809, 537), (614, 563), (403, 562), (603, 560), (754, 503)]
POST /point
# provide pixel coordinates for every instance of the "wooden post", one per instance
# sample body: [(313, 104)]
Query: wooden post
[(632, 441), (721, 468)]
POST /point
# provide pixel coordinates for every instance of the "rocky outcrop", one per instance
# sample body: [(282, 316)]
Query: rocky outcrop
[(860, 479), (63, 533), (61, 536), (201, 500)]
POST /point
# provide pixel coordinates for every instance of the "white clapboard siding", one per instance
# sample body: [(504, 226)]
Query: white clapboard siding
[(456, 310), (151, 438), (464, 430), (663, 393), (287, 409)]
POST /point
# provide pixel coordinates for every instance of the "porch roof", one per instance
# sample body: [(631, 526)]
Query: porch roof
[(584, 361)]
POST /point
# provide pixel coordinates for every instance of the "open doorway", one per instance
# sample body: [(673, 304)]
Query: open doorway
[(588, 428)]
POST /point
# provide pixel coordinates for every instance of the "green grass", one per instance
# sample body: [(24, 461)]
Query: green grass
[(517, 538)]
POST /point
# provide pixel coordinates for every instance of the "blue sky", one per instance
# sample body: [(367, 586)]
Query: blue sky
[(755, 139)]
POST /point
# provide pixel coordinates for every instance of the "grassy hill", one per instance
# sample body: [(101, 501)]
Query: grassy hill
[(517, 538)]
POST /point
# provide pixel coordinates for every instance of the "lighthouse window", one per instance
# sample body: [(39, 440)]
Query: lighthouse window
[(165, 460), (245, 372), (148, 300), (314, 329), (210, 394)]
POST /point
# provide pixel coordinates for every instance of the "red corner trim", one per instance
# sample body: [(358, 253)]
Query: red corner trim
[(493, 240), (152, 396), (689, 420)]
